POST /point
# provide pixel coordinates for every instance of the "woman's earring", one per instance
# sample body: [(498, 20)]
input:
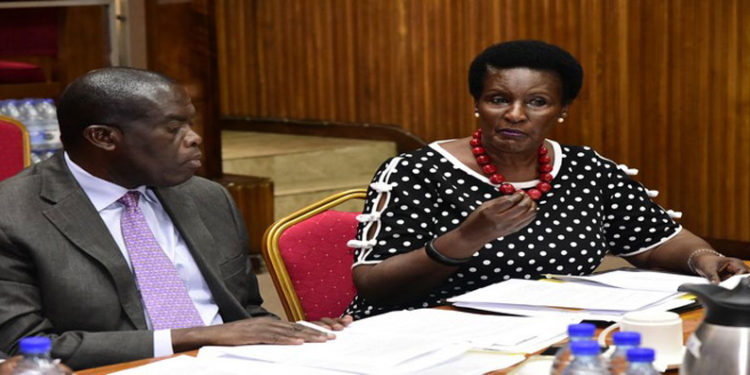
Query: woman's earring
[(476, 114), (561, 119)]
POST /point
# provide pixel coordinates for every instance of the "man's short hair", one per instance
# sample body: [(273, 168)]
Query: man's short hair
[(532, 54), (109, 96)]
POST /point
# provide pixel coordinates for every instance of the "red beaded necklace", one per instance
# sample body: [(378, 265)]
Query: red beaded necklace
[(545, 167)]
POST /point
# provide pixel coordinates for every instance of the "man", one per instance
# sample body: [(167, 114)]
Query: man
[(114, 250)]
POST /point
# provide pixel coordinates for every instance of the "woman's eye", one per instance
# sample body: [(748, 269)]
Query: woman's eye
[(498, 100), (538, 102)]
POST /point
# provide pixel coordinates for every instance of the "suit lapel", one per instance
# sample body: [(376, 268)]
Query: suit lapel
[(76, 218), (199, 240)]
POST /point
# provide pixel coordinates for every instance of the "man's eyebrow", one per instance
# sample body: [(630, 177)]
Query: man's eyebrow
[(177, 117)]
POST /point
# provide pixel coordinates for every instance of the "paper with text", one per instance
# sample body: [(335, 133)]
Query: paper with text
[(566, 295)]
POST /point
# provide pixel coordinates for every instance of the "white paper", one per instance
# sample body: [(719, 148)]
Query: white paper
[(461, 326), (182, 364), (186, 365), (551, 312), (407, 341), (645, 280), (476, 363), (567, 295)]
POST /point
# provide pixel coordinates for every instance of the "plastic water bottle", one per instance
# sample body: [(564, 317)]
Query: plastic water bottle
[(586, 360), (50, 129), (36, 358), (29, 116), (640, 362), (9, 108), (624, 341), (576, 332)]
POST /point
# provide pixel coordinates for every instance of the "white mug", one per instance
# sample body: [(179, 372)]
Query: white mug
[(660, 330)]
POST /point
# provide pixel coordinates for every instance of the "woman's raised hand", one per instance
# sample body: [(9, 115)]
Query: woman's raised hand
[(499, 217)]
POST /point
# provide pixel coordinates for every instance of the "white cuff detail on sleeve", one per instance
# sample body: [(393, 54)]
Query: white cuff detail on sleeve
[(361, 244), (381, 187), (365, 218), (674, 214), (163, 343), (629, 171)]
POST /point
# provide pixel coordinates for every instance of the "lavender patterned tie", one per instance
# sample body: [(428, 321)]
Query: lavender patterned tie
[(167, 301)]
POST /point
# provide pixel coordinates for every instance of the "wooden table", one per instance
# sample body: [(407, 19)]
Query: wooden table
[(690, 321)]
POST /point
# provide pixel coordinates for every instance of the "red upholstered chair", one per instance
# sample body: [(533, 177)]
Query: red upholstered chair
[(309, 261), (15, 148)]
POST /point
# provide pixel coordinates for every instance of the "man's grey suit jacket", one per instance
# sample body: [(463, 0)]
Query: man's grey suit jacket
[(63, 276)]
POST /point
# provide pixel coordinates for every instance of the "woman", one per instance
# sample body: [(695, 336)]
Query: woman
[(509, 203)]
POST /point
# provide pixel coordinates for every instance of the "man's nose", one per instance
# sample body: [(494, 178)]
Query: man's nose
[(192, 139)]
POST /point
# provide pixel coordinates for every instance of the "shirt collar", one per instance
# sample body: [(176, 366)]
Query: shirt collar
[(103, 193)]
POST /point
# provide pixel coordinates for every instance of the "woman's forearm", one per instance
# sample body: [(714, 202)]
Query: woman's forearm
[(673, 254), (411, 275)]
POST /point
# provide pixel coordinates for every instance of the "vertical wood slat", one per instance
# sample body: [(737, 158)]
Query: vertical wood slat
[(666, 88)]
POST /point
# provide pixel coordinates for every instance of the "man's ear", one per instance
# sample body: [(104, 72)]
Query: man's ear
[(103, 136)]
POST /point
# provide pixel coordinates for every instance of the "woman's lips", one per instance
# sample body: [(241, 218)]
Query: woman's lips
[(511, 132)]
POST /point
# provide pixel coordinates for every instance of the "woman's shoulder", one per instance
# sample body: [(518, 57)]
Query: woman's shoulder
[(430, 153), (586, 154)]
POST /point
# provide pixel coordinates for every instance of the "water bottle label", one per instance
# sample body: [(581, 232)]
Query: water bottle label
[(693, 345)]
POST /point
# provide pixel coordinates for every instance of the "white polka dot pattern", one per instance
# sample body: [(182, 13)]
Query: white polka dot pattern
[(594, 208)]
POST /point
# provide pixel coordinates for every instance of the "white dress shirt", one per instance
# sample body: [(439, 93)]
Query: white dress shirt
[(104, 195)]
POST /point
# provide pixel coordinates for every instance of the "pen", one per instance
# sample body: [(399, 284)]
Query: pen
[(315, 327)]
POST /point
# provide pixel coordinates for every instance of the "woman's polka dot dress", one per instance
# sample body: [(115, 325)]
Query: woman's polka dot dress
[(594, 208)]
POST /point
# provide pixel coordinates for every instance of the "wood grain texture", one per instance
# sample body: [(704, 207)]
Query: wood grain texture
[(666, 88), (181, 44)]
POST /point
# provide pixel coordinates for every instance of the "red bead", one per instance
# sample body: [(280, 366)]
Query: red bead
[(544, 187), (497, 179), (477, 134), (544, 159), (534, 194), (545, 168), (506, 189), (545, 177), (542, 150), (475, 142), (483, 159), (489, 169), (478, 150)]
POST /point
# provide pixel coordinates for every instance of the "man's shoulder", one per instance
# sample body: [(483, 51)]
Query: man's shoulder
[(198, 184), (202, 191), (26, 181)]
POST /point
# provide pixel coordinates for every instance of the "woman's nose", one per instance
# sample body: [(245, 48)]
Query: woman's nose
[(516, 113)]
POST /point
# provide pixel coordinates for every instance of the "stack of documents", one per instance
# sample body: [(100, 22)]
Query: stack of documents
[(404, 342), (606, 296)]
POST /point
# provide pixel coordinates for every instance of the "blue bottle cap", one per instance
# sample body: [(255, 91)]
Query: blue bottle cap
[(35, 345), (641, 355), (581, 330), (626, 338), (585, 347)]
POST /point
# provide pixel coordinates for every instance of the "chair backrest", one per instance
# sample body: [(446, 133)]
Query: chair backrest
[(308, 259), (15, 147)]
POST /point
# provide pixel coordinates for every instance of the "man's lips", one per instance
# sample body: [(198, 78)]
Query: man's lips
[(195, 161)]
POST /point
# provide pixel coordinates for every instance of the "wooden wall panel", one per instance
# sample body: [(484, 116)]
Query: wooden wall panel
[(666, 90), (181, 39)]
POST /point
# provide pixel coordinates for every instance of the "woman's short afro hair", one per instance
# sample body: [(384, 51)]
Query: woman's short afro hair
[(533, 54)]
